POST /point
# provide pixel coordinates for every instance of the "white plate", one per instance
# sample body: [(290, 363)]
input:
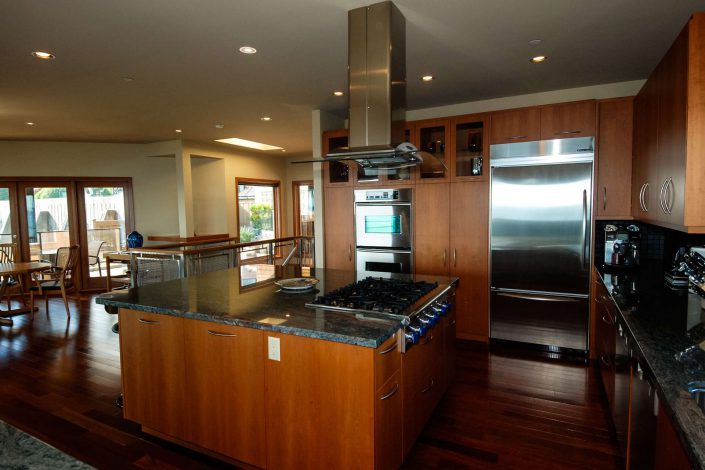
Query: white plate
[(297, 283)]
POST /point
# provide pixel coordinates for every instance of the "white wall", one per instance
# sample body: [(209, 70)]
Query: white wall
[(209, 195), (153, 178)]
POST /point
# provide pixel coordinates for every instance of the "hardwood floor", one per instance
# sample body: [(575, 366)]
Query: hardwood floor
[(58, 382)]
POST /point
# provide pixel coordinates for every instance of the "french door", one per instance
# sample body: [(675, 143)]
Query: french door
[(41, 215)]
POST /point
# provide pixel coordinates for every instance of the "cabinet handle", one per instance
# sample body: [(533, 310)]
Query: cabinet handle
[(566, 132), (641, 197), (604, 361), (662, 196), (669, 199), (604, 198), (148, 322), (455, 258), (609, 322), (349, 252), (428, 340), (445, 255), (391, 394), (452, 323), (226, 335), (430, 386), (656, 404), (515, 137), (389, 349)]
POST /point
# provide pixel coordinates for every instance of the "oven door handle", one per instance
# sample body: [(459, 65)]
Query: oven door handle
[(382, 250), (385, 203)]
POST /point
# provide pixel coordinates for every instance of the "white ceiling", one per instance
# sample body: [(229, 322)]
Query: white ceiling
[(188, 74)]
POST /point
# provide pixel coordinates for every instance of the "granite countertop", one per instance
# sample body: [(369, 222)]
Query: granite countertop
[(659, 320), (247, 296)]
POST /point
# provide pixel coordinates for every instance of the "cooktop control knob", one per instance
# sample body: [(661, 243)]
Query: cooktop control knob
[(425, 321), (418, 328), (431, 317), (412, 337)]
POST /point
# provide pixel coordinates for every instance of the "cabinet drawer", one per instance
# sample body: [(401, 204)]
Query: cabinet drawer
[(387, 361)]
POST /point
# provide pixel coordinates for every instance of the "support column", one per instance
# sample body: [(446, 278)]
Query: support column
[(184, 189)]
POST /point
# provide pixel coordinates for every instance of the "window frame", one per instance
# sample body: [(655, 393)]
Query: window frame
[(296, 204), (276, 185)]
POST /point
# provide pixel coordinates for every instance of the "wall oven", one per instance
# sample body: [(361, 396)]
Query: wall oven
[(383, 230)]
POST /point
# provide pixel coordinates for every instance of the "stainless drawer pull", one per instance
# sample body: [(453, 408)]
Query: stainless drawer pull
[(604, 198), (455, 258), (604, 361), (537, 297), (452, 323), (430, 386), (391, 394), (606, 320), (226, 335), (389, 349), (148, 322), (445, 256), (514, 137)]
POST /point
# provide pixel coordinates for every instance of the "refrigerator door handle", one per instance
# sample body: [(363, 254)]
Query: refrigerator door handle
[(541, 298), (583, 256)]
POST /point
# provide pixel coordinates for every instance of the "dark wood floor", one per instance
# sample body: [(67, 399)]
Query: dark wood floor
[(58, 382)]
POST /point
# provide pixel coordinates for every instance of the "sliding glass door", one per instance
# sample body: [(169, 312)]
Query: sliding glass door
[(9, 223)]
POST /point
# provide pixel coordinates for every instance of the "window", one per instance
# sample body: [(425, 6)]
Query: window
[(303, 208), (257, 212)]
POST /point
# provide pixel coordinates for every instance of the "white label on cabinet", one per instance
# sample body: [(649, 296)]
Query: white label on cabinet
[(273, 349)]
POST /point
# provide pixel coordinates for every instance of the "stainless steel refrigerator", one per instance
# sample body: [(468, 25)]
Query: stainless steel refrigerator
[(540, 234)]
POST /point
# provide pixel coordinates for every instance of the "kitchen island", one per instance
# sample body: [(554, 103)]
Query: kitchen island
[(231, 365)]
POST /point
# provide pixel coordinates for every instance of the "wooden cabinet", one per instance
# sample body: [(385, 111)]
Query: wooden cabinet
[(432, 229), (566, 120), (669, 136), (336, 173), (225, 390), (339, 228), (642, 422), (669, 453), (470, 148), (614, 159), (468, 257), (515, 125), (605, 339), (451, 238), (153, 375), (388, 424), (433, 137), (449, 324)]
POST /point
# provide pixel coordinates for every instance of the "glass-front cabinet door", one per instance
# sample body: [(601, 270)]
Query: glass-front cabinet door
[(336, 173), (470, 151), (432, 137)]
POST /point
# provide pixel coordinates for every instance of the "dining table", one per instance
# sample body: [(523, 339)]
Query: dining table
[(15, 269)]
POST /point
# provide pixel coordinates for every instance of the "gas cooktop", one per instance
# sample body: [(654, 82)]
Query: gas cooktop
[(375, 294)]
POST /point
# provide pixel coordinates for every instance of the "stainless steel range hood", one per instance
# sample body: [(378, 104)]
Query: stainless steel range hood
[(377, 84)]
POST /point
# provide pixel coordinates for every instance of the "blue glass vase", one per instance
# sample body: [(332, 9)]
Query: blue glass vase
[(134, 239)]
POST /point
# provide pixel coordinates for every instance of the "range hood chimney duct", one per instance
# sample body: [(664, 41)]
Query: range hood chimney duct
[(377, 76)]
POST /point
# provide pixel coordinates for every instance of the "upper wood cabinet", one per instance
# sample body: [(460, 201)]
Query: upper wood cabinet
[(669, 136), (515, 125), (336, 173), (614, 159), (566, 120), (433, 137)]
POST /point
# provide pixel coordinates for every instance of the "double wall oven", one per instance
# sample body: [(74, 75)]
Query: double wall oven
[(383, 230)]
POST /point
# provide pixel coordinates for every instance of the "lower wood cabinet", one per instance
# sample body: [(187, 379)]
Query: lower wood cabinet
[(225, 390), (153, 375)]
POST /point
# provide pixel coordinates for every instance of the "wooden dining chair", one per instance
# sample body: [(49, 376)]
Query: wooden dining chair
[(94, 248), (8, 254), (58, 280)]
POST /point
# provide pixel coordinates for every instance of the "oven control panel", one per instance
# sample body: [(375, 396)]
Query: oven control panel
[(383, 195)]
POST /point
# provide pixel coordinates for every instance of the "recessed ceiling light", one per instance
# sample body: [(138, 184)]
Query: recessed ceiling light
[(265, 118), (178, 131), (43, 55), (29, 123), (128, 79), (535, 42), (248, 144), (338, 93), (283, 150), (219, 126), (427, 78), (248, 50), (538, 58)]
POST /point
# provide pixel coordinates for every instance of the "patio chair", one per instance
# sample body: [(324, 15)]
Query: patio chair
[(94, 248), (8, 254), (58, 280)]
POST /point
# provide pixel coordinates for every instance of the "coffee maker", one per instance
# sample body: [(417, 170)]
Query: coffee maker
[(622, 245)]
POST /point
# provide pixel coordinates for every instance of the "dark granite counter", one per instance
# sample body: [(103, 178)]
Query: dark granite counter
[(247, 296), (663, 323)]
